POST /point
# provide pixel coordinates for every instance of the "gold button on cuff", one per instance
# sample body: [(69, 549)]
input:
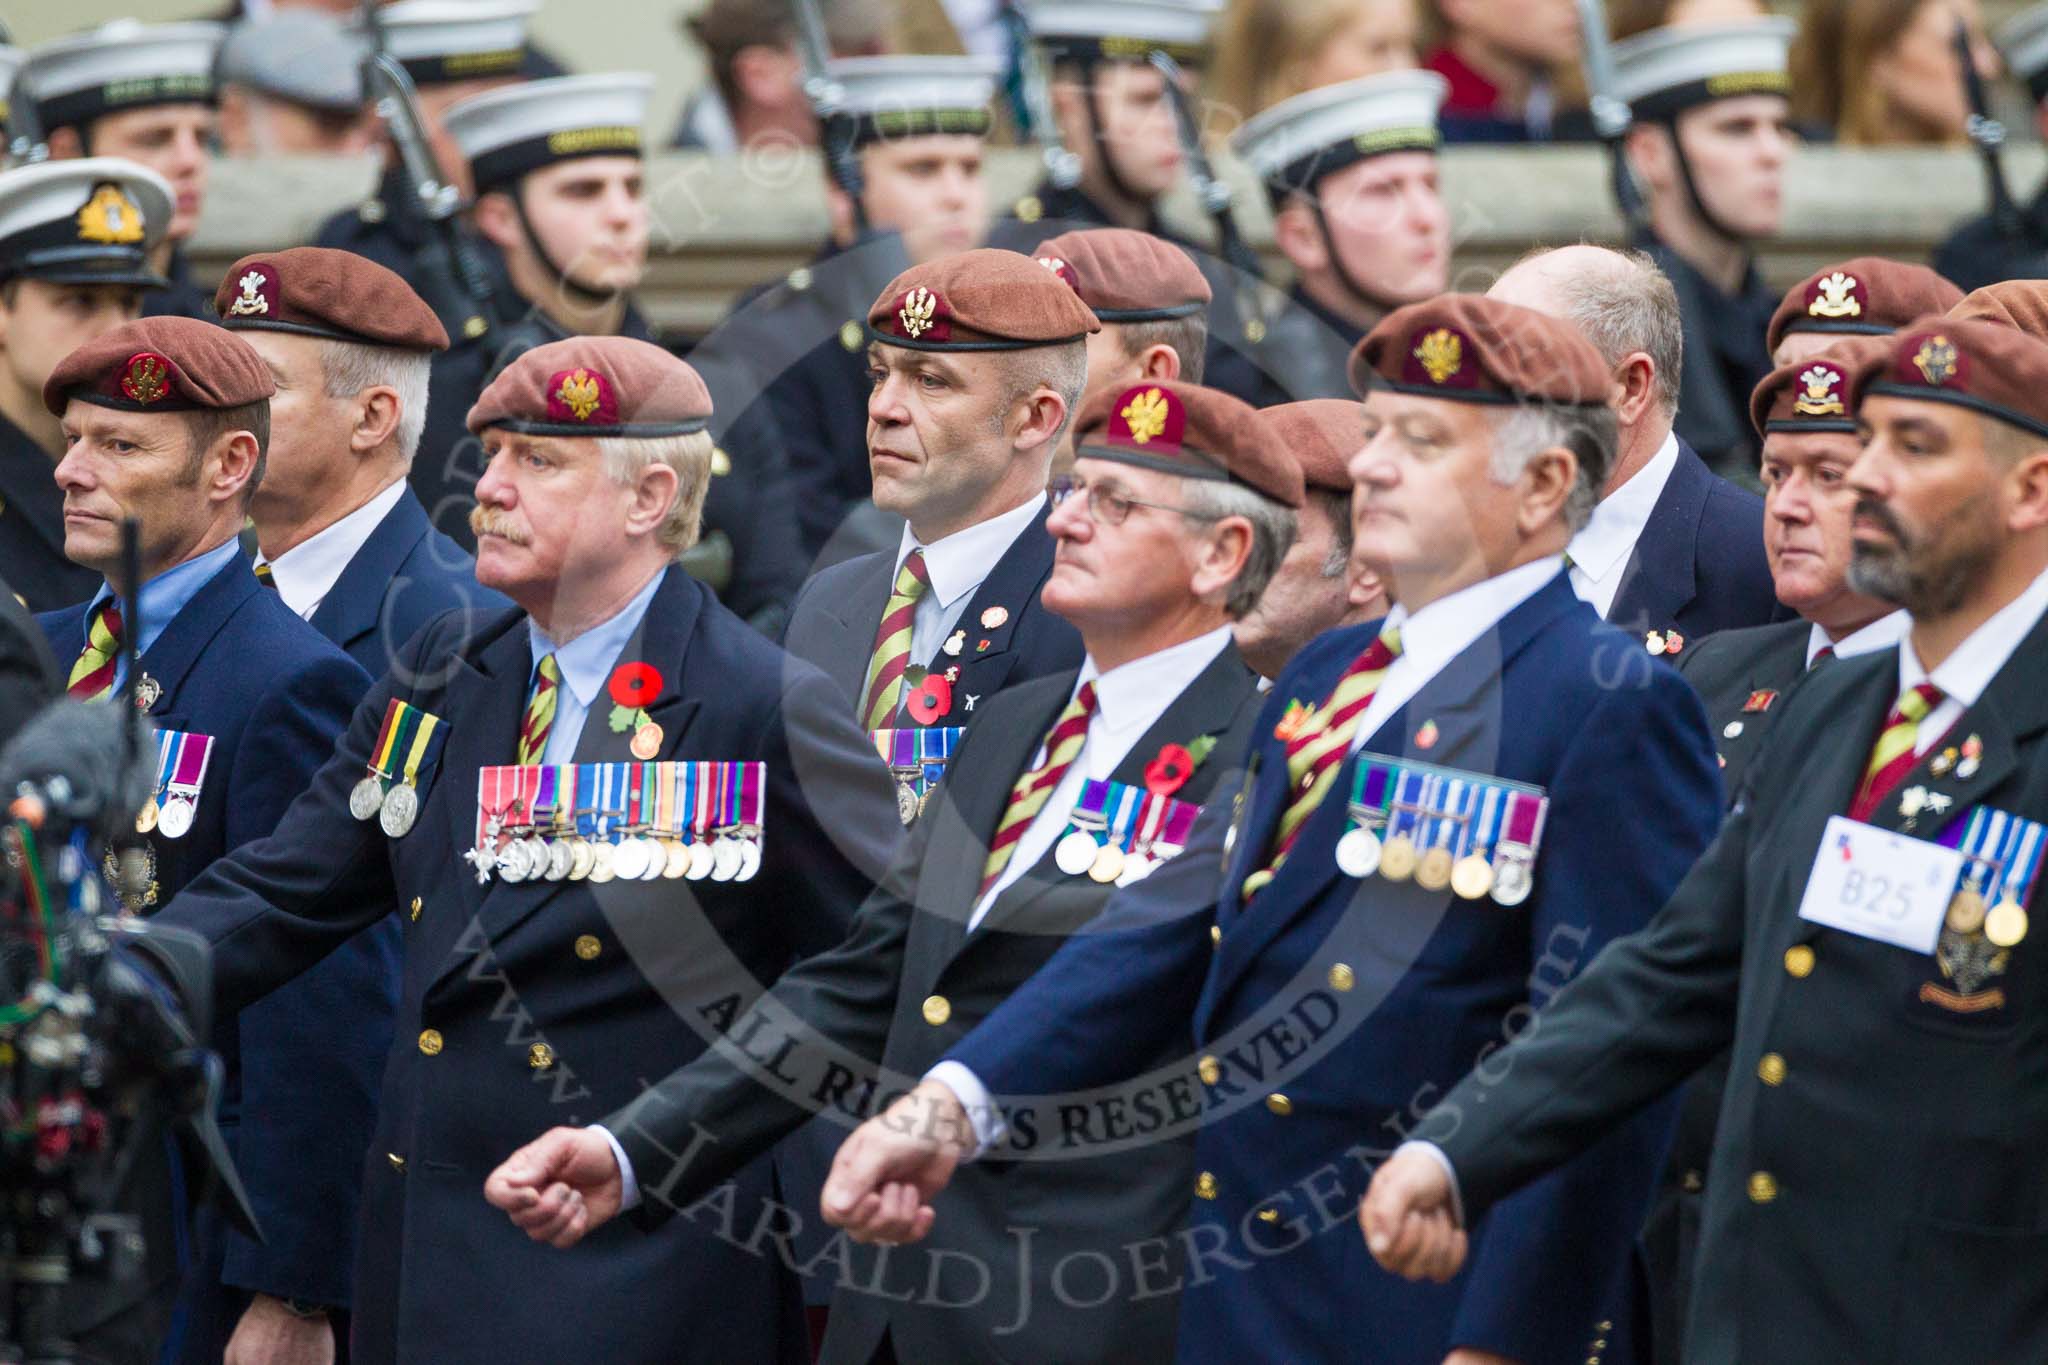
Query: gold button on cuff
[(415, 907), (937, 1010), (587, 947), (1342, 978), (540, 1056), (1269, 1215), (1215, 933), (1693, 1182), (1771, 1070), (1799, 960), (1763, 1187), (1205, 1186), (430, 1042), (397, 1161), (1210, 1070), (1279, 1104)]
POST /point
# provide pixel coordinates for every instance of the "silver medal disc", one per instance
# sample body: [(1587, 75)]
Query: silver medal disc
[(513, 864), (365, 797), (700, 862), (657, 859), (1075, 852), (750, 859), (1358, 853), (1137, 867), (176, 819), (725, 858), (1511, 882), (559, 859), (401, 808), (630, 860)]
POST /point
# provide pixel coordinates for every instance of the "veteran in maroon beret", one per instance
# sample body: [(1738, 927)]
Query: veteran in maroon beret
[(1871, 1053), (1867, 296), (1320, 585), (166, 421), (513, 795), (2016, 303), (1064, 788), (1426, 850)]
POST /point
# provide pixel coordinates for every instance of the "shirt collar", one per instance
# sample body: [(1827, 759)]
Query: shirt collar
[(1134, 695), (1617, 523), (1965, 674), (164, 596), (307, 572), (1882, 633), (585, 663), (958, 564), (1437, 634)]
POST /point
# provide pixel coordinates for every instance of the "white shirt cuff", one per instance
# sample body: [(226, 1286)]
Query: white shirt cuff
[(989, 1127), (629, 1188), (1450, 1173)]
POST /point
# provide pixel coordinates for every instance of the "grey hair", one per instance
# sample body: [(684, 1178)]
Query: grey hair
[(1590, 432), (1625, 311), (1273, 527), (1337, 508), (348, 367), (1062, 368), (688, 455)]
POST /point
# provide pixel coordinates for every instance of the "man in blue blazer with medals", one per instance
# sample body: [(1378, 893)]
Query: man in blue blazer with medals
[(1430, 843), (541, 990), (977, 362), (1169, 527), (339, 533), (166, 421), (1876, 1192)]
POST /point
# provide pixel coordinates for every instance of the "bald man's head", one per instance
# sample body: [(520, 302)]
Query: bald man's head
[(1619, 299)]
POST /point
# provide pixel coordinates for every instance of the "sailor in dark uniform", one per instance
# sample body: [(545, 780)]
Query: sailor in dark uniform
[(1352, 173), (145, 93), (1710, 143), (75, 238), (1981, 251)]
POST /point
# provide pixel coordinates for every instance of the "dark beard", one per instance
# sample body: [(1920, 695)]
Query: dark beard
[(1927, 580)]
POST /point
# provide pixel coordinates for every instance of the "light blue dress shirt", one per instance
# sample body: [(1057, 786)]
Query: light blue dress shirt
[(585, 664), (162, 598)]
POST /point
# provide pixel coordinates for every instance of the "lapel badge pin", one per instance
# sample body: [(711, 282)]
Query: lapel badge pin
[(971, 699), (1760, 700), (994, 617), (1732, 729), (147, 691), (982, 648), (1912, 801), (1940, 764), (1973, 751), (1673, 642), (1939, 802), (954, 644), (1426, 737), (1654, 642)]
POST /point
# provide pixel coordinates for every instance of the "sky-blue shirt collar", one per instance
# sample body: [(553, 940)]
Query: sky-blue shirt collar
[(164, 596), (585, 663)]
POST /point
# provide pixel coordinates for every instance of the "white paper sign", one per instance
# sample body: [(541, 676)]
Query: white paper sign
[(1881, 885)]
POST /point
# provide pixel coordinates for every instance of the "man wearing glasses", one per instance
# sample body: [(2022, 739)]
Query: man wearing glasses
[(1178, 509)]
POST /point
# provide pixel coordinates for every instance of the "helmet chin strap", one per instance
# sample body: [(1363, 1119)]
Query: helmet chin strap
[(1342, 271), (577, 291), (1096, 135), (1692, 189)]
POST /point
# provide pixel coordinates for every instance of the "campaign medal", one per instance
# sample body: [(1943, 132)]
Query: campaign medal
[(1433, 868), (725, 849), (1398, 854), (402, 802), (2006, 924), (1472, 877), (630, 857), (752, 832), (1075, 852), (1515, 859), (1120, 808), (146, 818), (367, 797), (558, 791), (1967, 907), (1358, 851), (188, 768)]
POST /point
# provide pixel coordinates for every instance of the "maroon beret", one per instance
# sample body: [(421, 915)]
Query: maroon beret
[(1986, 366), (1323, 434), (1472, 349), (1187, 430), (987, 299), (1125, 275), (1869, 296), (595, 386), (316, 291), (2016, 303), (1813, 394), (166, 364)]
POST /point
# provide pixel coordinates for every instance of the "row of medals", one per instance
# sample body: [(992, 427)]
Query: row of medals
[(173, 819), (734, 857), (1078, 852), (396, 806), (1360, 853), (2004, 924)]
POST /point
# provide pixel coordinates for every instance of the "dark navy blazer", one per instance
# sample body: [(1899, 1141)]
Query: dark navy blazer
[(1699, 564)]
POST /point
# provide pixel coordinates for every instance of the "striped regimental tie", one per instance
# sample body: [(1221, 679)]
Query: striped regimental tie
[(92, 677), (1897, 749), (540, 712), (892, 644), (1316, 752), (266, 576), (1062, 746)]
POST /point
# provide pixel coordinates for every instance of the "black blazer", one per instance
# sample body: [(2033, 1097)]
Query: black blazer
[(551, 1001), (840, 610), (871, 999), (1884, 1200), (1699, 564), (32, 527)]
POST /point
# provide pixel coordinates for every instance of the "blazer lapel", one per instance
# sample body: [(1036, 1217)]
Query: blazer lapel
[(354, 606), (847, 640), (1661, 568), (171, 657), (1007, 596), (482, 705)]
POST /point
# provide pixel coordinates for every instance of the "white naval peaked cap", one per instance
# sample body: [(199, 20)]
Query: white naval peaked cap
[(457, 40), (2023, 42), (86, 220), (908, 96), (1300, 140), (1122, 29), (119, 66), (504, 134), (299, 55), (1667, 70)]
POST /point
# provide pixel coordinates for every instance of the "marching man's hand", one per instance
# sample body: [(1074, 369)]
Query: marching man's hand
[(895, 1164), (1409, 1218), (560, 1187)]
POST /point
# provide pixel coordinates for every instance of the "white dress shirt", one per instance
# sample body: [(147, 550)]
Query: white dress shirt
[(1882, 633), (307, 572), (957, 565), (1601, 552), (1129, 699)]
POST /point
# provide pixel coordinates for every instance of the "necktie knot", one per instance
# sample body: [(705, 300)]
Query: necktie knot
[(109, 618), (1084, 700), (913, 578), (266, 575), (1919, 702)]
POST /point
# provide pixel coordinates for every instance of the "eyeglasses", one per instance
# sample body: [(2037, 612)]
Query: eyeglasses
[(1109, 505)]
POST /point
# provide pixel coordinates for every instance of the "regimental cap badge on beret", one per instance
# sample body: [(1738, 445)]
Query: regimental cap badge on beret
[(1937, 361), (146, 378), (922, 312), (1063, 270), (110, 217), (255, 291), (581, 395), (1148, 414), (1836, 295), (1438, 355), (1820, 391)]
